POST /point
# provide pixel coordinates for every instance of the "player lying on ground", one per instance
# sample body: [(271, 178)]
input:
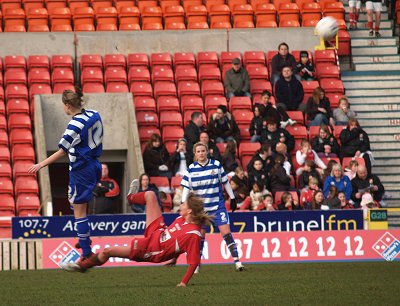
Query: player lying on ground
[(160, 243)]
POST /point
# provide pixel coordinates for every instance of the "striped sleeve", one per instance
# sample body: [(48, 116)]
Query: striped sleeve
[(185, 183), (71, 135), (224, 177)]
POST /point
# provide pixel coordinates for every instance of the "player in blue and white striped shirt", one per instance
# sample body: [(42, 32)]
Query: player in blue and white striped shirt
[(205, 178), (82, 141)]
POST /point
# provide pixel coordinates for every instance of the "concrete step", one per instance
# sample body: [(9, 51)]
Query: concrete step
[(367, 42), (373, 92), (393, 145), (381, 130), (379, 139), (374, 50), (367, 77), (367, 122), (354, 84), (347, 9), (364, 33), (393, 189), (390, 101), (363, 17), (394, 162), (376, 107), (378, 115), (388, 177), (386, 154), (388, 169), (377, 66), (368, 59), (364, 24)]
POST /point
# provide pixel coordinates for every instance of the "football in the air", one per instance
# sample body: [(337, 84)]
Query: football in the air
[(327, 28)]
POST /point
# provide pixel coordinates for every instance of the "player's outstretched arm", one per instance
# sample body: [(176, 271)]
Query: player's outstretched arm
[(188, 275), (51, 159)]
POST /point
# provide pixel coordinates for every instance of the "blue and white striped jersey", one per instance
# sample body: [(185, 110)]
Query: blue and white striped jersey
[(82, 139), (206, 182)]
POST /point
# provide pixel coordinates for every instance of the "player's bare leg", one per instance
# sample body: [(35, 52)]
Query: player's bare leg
[(231, 244)]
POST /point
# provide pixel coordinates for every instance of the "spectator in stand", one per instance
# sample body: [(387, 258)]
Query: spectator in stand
[(305, 68), (241, 193), (307, 194), (268, 203), (374, 7), (265, 153), (325, 144), (343, 113), (288, 203), (180, 159), (281, 59), (289, 92), (222, 126), (318, 200), (328, 170), (229, 161), (344, 204), (105, 194), (306, 153), (367, 201), (144, 185), (339, 180), (309, 171), (272, 111), (257, 174), (351, 170), (237, 81), (256, 122), (213, 151), (355, 143), (318, 109), (280, 175), (354, 13), (193, 130), (241, 178), (274, 135), (156, 157), (332, 201), (257, 195), (365, 182)]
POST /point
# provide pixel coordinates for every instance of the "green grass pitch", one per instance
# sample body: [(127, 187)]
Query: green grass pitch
[(365, 283)]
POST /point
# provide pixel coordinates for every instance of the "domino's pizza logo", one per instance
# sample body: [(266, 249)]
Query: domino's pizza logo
[(387, 246), (64, 253)]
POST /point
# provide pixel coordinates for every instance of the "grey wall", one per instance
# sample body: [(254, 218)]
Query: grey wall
[(155, 41)]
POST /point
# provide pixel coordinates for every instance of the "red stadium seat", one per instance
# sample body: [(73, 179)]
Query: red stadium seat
[(188, 88), (16, 91), (248, 148), (309, 86), (114, 60), (16, 121), (144, 104), (93, 88), (7, 205), (184, 58), (172, 133), (4, 153), (15, 76), (115, 74), (20, 168), (192, 104), (170, 118), (27, 203), (6, 186), (346, 161), (176, 182), (38, 61), (91, 61), (185, 73), (138, 74), (297, 131), (164, 89), (160, 181), (325, 56), (128, 15), (296, 116), (326, 70), (258, 73), (117, 87), (23, 152), (145, 132), (14, 61), (147, 118), (332, 85), (219, 13), (26, 185), (15, 106), (209, 73), (5, 169), (160, 73), (242, 116), (138, 59), (141, 89), (38, 76), (3, 122), (3, 138), (166, 103), (161, 59), (61, 61), (82, 16), (240, 103), (212, 88), (92, 75), (195, 13), (258, 86), (207, 58), (254, 58), (265, 12)]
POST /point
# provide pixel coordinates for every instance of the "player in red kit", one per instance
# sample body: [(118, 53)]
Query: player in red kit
[(160, 243)]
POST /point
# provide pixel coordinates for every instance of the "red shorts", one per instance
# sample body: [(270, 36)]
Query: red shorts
[(151, 241)]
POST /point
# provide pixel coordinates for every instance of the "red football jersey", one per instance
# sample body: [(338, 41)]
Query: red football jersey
[(166, 243)]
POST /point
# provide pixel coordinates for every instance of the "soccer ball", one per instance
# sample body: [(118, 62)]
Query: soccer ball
[(327, 28)]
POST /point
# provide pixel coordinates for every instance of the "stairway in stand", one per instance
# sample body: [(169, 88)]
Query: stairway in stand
[(373, 89)]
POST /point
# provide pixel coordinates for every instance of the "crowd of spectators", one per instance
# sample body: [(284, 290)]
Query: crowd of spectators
[(328, 171)]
